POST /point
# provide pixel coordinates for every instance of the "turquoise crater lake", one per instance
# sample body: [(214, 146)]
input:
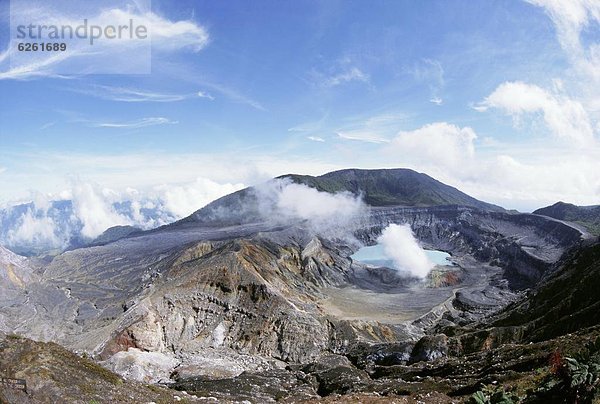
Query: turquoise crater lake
[(374, 255)]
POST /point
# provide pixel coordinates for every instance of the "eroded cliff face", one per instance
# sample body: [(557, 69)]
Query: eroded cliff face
[(252, 296)]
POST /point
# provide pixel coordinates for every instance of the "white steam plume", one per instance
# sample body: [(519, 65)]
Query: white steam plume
[(400, 245), (325, 213)]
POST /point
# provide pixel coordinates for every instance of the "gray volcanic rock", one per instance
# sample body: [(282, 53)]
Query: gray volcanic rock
[(234, 285), (113, 234)]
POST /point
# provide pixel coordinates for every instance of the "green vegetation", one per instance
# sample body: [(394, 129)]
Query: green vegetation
[(573, 379), (391, 187), (493, 395), (585, 216)]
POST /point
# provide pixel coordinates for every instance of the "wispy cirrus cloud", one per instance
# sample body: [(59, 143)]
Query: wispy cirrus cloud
[(315, 138), (352, 74), (340, 73), (139, 123), (377, 128), (362, 136), (431, 73), (233, 95), (571, 18), (47, 125), (125, 94)]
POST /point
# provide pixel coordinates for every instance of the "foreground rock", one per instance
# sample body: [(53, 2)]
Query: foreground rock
[(55, 375)]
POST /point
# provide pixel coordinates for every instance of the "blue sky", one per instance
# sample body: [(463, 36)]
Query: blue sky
[(500, 99)]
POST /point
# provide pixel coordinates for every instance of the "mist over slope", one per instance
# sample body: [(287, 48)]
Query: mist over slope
[(383, 187), (387, 187)]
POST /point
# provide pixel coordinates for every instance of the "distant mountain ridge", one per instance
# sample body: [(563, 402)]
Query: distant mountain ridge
[(587, 216), (388, 187), (378, 187)]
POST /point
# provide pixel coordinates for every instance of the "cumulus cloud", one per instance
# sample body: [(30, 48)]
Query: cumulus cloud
[(564, 117), (442, 142), (307, 203), (32, 228), (85, 210), (94, 210), (400, 245), (183, 200)]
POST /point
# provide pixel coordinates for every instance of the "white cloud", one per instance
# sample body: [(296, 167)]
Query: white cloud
[(577, 22), (564, 117), (327, 214), (374, 128), (202, 94), (524, 176), (446, 144), (344, 73), (315, 138), (140, 123), (4, 55), (34, 229), (39, 68), (400, 245), (95, 210), (45, 171), (571, 18), (436, 101), (307, 203), (183, 200), (166, 34), (353, 74), (313, 126)]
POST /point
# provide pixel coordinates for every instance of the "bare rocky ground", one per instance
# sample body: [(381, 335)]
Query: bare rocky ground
[(257, 310)]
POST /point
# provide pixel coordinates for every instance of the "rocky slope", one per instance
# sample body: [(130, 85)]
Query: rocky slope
[(230, 290), (53, 375)]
